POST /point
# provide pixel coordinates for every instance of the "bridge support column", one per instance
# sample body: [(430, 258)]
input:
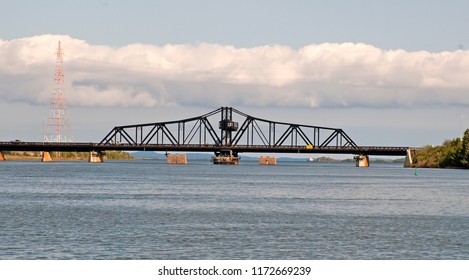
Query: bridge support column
[(362, 161), (96, 157), (225, 157), (46, 157), (408, 159), (2, 156), (267, 160), (176, 159)]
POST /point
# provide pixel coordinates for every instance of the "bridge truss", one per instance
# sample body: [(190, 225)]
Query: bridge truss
[(220, 129)]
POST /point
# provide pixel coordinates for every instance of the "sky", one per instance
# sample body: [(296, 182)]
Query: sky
[(390, 73)]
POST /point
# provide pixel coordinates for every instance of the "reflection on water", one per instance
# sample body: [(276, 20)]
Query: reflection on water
[(147, 209)]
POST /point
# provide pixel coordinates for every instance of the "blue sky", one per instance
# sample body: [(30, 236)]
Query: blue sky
[(412, 25), (387, 72)]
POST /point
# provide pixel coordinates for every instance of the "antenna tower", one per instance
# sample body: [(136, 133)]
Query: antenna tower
[(58, 127)]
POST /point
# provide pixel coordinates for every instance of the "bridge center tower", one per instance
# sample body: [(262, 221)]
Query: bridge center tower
[(227, 127)]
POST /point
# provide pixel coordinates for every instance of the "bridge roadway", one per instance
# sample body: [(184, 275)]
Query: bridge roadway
[(88, 147)]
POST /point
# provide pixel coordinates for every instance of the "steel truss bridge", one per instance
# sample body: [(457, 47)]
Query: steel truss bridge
[(224, 129)]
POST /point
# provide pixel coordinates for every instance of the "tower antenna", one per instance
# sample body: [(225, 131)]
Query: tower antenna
[(58, 127)]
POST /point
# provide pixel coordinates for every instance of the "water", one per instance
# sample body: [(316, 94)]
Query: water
[(151, 210)]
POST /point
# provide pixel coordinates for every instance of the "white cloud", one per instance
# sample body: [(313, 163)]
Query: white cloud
[(322, 75)]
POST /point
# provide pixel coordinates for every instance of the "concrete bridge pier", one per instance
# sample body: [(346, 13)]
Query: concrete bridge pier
[(362, 161), (96, 157), (46, 157), (268, 160), (176, 159), (408, 159)]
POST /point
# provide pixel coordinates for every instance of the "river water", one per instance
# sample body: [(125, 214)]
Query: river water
[(296, 210)]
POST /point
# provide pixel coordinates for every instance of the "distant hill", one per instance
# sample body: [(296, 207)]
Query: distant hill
[(147, 155), (208, 156), (161, 155)]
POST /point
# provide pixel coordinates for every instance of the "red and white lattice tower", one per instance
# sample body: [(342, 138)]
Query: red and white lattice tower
[(58, 127)]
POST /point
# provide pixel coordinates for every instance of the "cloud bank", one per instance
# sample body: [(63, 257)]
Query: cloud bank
[(329, 75)]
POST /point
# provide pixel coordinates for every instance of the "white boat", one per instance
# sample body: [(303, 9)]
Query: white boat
[(311, 159)]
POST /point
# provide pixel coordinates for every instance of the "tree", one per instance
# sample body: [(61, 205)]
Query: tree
[(452, 154), (465, 150)]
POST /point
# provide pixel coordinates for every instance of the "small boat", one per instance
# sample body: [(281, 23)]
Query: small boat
[(311, 159)]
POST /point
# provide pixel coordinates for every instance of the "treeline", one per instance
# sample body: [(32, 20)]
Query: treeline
[(453, 153), (118, 155), (109, 155)]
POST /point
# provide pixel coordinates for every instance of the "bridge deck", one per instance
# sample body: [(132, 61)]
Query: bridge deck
[(87, 147)]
